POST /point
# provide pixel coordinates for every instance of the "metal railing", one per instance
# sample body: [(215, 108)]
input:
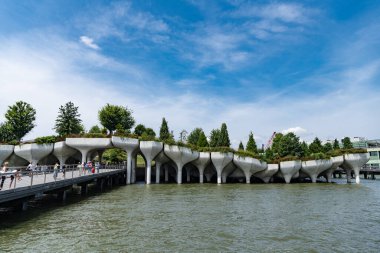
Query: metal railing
[(17, 177)]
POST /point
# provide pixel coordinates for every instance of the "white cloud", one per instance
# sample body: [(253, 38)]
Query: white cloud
[(296, 130), (88, 42)]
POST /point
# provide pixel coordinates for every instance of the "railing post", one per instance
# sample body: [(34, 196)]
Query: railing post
[(72, 172), (31, 179), (45, 177)]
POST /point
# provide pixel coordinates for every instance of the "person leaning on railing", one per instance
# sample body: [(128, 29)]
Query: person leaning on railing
[(3, 176)]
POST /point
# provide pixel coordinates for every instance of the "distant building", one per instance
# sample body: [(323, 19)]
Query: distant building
[(373, 147)]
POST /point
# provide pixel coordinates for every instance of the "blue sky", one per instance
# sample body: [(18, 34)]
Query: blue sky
[(306, 66)]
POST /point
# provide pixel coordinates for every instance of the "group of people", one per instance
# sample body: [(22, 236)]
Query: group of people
[(88, 167), (12, 174)]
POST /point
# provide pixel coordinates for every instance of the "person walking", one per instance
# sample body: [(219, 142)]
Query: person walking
[(55, 171), (3, 176), (13, 175)]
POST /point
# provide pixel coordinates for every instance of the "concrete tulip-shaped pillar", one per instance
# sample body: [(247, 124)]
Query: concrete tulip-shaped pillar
[(160, 159), (248, 165), (220, 161), (33, 152), (313, 168), (62, 152), (150, 149), (180, 156), (268, 173), (5, 152), (336, 161), (201, 163), (354, 162), (85, 145), (289, 169), (231, 171), (129, 145)]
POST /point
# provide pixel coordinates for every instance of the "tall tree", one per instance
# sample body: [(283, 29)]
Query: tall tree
[(347, 144), (327, 147), (290, 145), (115, 117), (193, 137), (214, 137), (336, 144), (68, 121), (224, 139), (139, 129), (241, 146), (202, 141), (164, 131), (276, 143), (150, 132), (251, 144), (21, 117), (316, 146), (6, 134), (305, 149)]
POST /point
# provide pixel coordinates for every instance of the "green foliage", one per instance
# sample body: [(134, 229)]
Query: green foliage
[(114, 155), (95, 130), (150, 132), (287, 158), (115, 117), (268, 154), (327, 147), (251, 144), (202, 141), (164, 131), (289, 146), (224, 139), (276, 143), (336, 144), (68, 121), (241, 146), (243, 153), (316, 146), (139, 129), (46, 139), (6, 134), (194, 136), (214, 137), (339, 152), (305, 149), (316, 156), (216, 149), (347, 144), (20, 117), (87, 135)]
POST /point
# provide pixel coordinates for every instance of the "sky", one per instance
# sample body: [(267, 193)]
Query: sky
[(309, 67)]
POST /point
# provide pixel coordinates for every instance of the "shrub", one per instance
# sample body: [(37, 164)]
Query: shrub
[(248, 154), (46, 139), (316, 156)]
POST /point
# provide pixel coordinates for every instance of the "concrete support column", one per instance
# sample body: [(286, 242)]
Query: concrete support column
[(61, 196), (148, 175), (166, 174), (133, 172), (179, 175), (247, 177), (357, 175), (201, 176), (129, 168), (158, 168), (348, 176), (208, 177), (24, 205), (219, 177)]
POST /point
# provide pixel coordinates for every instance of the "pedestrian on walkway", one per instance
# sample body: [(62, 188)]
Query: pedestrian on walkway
[(3, 176), (64, 171), (80, 168), (55, 171), (14, 173)]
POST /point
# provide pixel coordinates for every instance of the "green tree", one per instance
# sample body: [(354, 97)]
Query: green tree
[(150, 132), (269, 154), (139, 129), (224, 139), (241, 146), (20, 117), (95, 130), (347, 144), (305, 149), (276, 143), (336, 144), (290, 145), (214, 137), (251, 144), (193, 137), (68, 121), (114, 155), (202, 141), (327, 147), (6, 134), (316, 146), (164, 131), (115, 117)]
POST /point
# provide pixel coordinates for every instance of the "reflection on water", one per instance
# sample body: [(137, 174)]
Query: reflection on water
[(208, 218)]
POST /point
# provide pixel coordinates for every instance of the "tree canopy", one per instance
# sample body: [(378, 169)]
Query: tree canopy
[(224, 139), (6, 134), (336, 144), (164, 131), (251, 144), (241, 146), (202, 141), (316, 146), (214, 137), (290, 145), (193, 137), (115, 117), (347, 144), (20, 119), (68, 121), (139, 129)]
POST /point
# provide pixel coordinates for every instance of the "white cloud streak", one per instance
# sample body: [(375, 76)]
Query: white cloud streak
[(89, 42)]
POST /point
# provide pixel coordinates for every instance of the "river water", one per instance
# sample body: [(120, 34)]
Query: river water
[(207, 218)]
